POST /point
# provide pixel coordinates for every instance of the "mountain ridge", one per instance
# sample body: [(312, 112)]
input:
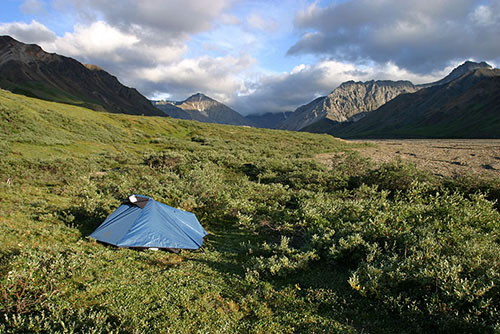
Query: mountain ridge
[(349, 99), (457, 72), (466, 107), (27, 69)]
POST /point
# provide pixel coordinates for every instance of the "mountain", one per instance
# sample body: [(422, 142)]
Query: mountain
[(27, 69), (466, 107), (269, 120), (202, 108), (350, 101), (466, 67)]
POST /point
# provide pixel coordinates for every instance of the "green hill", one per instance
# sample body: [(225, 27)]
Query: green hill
[(294, 247)]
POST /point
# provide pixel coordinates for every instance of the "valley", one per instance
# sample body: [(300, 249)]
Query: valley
[(307, 232), (360, 246)]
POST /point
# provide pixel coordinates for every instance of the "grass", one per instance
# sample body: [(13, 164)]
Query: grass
[(293, 247), (50, 93)]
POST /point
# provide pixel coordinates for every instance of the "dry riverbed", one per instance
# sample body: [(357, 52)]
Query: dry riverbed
[(445, 157)]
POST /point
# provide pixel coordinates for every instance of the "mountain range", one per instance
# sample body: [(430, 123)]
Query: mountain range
[(466, 107), (202, 108), (352, 101), (464, 104)]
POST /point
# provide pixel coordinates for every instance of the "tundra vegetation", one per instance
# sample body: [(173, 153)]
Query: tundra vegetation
[(294, 246)]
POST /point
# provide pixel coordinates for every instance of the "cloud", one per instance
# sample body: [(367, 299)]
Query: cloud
[(257, 22), (217, 77), (33, 32), (229, 19), (421, 36), (33, 7), (152, 68), (161, 20), (129, 36), (118, 52), (96, 40)]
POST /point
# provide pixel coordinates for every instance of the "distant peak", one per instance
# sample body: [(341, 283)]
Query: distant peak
[(471, 65), (466, 67), (199, 97)]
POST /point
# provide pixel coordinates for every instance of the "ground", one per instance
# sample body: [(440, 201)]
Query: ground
[(444, 157)]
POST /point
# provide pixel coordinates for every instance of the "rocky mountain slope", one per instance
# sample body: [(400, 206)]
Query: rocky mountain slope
[(466, 67), (27, 69), (202, 108), (467, 107), (350, 101)]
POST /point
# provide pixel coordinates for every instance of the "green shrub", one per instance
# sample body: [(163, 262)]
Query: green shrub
[(279, 259)]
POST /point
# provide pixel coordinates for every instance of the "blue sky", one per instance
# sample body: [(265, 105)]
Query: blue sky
[(259, 56)]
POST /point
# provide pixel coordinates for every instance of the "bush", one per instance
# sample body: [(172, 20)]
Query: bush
[(279, 259)]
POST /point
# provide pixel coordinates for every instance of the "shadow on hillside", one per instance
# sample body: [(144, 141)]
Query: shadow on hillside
[(86, 222), (225, 249)]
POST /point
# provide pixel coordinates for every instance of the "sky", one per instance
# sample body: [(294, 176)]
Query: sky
[(260, 56)]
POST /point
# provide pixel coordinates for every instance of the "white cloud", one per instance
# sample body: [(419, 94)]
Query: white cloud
[(167, 20), (151, 68), (105, 44), (486, 16), (118, 52), (96, 39), (216, 77), (33, 32), (257, 22)]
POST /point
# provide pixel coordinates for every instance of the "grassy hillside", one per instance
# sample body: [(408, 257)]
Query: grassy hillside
[(293, 247)]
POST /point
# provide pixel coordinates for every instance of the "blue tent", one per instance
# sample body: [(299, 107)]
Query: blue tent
[(143, 222)]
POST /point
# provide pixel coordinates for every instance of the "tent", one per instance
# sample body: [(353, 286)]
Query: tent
[(145, 223)]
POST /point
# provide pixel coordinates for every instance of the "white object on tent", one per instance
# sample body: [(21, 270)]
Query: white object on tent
[(132, 199)]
